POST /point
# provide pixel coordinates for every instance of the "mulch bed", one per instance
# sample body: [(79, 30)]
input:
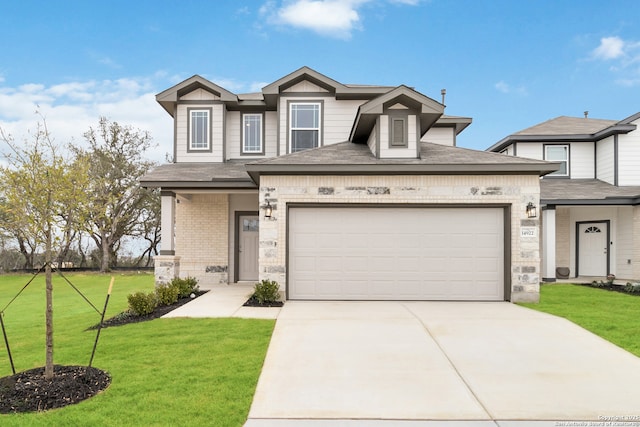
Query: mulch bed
[(126, 317), (29, 391), (253, 302), (614, 288)]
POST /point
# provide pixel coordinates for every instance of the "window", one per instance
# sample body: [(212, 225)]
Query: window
[(252, 133), (304, 125), (398, 135), (558, 153), (199, 129)]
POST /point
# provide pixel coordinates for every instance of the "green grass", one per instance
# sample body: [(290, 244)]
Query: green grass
[(164, 372), (611, 315)]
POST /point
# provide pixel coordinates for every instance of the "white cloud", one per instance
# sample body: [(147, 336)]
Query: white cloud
[(622, 56), (504, 87), (609, 48), (71, 108), (331, 18)]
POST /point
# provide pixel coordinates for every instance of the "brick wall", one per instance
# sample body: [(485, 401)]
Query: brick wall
[(202, 237), (516, 191)]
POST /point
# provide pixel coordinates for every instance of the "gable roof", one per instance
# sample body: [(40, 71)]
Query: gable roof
[(566, 129), (428, 110), (347, 158), (169, 97)]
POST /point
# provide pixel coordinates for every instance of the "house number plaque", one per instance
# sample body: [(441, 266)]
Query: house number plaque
[(528, 232)]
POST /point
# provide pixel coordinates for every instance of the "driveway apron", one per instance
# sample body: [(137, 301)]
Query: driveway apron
[(440, 361)]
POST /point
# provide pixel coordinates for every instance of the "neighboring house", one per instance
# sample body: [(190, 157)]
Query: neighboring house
[(591, 205), (342, 192)]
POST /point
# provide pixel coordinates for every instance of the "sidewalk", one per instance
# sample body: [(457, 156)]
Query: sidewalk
[(225, 301)]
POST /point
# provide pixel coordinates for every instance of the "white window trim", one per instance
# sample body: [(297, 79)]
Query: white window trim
[(260, 150), (291, 128), (207, 129), (567, 174)]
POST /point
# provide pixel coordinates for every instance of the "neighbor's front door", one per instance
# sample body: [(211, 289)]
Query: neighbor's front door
[(248, 247), (593, 249)]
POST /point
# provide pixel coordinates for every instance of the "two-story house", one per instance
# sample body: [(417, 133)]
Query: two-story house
[(591, 205), (342, 192)]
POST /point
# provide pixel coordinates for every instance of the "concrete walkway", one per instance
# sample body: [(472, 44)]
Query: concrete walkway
[(415, 364), (225, 301)]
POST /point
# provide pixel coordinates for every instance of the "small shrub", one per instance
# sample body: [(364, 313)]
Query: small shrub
[(167, 294), (267, 291), (185, 286), (598, 284), (141, 303), (632, 288)]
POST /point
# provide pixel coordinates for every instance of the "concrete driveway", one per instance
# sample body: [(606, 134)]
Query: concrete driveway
[(411, 362)]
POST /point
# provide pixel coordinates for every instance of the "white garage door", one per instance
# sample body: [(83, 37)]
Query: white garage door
[(396, 253)]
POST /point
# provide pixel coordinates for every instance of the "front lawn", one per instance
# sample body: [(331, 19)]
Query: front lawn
[(613, 316), (164, 372)]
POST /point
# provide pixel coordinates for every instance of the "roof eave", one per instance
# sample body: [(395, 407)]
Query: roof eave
[(217, 184), (402, 169), (621, 128)]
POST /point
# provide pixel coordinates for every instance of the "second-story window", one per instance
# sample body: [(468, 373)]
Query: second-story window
[(558, 153), (199, 130), (304, 125), (251, 133)]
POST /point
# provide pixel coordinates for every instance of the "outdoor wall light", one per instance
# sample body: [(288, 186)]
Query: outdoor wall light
[(532, 212), (268, 210)]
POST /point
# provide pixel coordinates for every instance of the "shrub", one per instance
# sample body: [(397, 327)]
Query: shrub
[(167, 294), (267, 291), (632, 288), (141, 303), (185, 286)]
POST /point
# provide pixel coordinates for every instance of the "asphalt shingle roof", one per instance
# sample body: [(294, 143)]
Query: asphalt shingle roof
[(584, 189), (565, 125), (347, 153)]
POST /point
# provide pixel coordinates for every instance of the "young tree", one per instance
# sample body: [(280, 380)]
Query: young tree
[(116, 201), (39, 183)]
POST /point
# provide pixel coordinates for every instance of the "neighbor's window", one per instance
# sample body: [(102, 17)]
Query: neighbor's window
[(304, 125), (252, 133), (199, 129), (398, 132), (558, 153)]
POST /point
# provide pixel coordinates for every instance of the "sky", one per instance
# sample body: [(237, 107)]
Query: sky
[(508, 64)]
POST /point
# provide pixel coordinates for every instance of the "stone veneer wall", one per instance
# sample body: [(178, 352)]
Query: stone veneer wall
[(563, 240), (515, 190), (202, 238)]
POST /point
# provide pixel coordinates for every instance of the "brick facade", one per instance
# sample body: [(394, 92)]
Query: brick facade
[(202, 237), (512, 190)]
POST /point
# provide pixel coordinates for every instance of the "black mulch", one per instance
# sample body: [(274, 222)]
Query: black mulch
[(253, 302), (127, 317), (29, 391)]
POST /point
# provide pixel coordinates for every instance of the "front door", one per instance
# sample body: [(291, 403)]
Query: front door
[(248, 247), (593, 248)]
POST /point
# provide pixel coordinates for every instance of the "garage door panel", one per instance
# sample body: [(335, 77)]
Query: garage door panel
[(396, 253)]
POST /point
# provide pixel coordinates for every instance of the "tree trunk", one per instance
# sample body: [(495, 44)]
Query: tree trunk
[(106, 256), (48, 368)]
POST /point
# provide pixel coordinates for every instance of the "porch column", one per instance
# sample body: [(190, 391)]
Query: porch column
[(549, 244), (167, 224), (167, 264)]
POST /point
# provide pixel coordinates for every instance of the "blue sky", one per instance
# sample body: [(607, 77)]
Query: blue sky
[(507, 64)]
